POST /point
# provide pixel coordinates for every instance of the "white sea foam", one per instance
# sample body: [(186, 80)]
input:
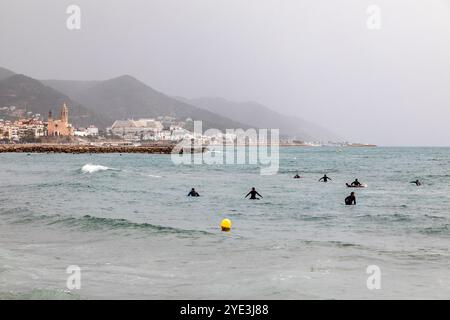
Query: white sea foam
[(154, 176), (91, 168)]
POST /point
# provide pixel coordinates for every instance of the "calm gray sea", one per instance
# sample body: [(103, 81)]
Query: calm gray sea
[(126, 222)]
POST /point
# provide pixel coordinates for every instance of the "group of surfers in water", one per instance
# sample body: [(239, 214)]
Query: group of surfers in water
[(350, 200), (252, 193)]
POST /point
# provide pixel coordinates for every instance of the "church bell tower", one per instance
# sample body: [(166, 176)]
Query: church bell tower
[(64, 114)]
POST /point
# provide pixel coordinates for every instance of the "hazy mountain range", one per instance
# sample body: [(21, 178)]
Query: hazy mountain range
[(125, 97), (30, 94), (260, 116), (5, 73)]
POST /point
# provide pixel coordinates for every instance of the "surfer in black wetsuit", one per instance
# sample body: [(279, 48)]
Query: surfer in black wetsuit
[(297, 176), (356, 183), (253, 193), (351, 199), (417, 183), (193, 193), (324, 178)]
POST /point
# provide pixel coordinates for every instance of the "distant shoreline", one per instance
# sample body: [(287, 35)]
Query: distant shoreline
[(355, 145), (166, 148)]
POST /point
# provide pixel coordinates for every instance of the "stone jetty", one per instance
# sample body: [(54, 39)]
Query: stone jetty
[(74, 148)]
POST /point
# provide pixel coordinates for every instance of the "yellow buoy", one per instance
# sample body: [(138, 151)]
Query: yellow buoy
[(225, 225)]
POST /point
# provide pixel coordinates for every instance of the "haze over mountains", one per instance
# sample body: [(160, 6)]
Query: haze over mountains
[(102, 102), (125, 97), (5, 73), (30, 94), (260, 116)]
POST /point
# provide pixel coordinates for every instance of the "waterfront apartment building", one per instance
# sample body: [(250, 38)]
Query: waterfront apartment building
[(135, 130), (21, 129), (91, 131)]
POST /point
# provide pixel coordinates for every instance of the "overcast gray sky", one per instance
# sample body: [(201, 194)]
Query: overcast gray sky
[(315, 59)]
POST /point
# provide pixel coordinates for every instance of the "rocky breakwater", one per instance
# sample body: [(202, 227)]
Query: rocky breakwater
[(74, 149)]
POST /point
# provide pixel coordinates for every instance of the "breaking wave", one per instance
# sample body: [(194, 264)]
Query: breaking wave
[(91, 168)]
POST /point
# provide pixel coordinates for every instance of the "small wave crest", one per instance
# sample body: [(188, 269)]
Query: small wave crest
[(443, 229), (40, 294), (91, 168), (88, 222), (92, 223)]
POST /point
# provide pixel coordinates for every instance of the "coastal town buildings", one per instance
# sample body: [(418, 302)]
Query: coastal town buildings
[(134, 130), (30, 127), (21, 129), (167, 129), (91, 131), (148, 129)]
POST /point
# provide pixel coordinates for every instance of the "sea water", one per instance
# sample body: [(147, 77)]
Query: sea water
[(126, 222)]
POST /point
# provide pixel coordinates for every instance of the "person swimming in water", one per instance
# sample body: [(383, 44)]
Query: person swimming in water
[(297, 176), (356, 183), (253, 193), (351, 199), (325, 178), (417, 182), (193, 193)]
